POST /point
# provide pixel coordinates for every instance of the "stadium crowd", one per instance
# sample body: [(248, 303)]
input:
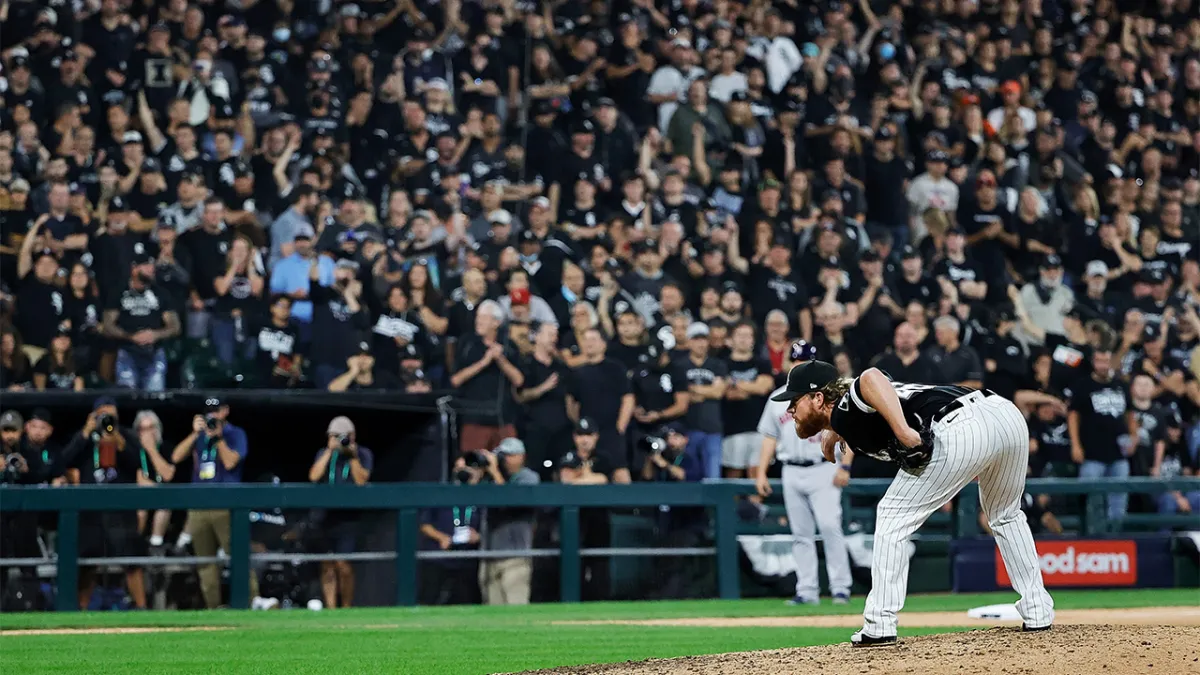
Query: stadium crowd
[(606, 223)]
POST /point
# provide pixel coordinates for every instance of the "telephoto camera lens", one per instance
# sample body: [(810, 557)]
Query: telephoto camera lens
[(107, 424), (344, 440), (211, 422)]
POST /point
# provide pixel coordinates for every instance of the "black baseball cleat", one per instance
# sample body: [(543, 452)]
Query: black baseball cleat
[(860, 639), (1026, 628)]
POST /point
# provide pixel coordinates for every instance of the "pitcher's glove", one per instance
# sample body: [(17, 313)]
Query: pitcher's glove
[(912, 460)]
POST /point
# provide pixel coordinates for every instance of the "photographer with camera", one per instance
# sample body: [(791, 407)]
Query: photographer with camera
[(24, 460), (342, 460), (105, 453), (218, 449), (668, 461), (505, 581), (453, 581)]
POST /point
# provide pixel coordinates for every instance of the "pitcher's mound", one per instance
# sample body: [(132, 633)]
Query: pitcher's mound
[(1078, 650)]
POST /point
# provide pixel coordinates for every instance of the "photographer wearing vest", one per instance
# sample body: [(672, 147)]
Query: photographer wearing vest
[(505, 581), (218, 449), (344, 461), (104, 453), (452, 581)]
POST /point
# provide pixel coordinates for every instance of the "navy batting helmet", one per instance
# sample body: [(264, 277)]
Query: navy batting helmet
[(802, 351)]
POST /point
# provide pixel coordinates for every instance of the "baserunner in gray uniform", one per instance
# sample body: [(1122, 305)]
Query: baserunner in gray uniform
[(812, 495)]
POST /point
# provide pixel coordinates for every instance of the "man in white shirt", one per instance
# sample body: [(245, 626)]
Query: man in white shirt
[(1010, 93), (669, 84), (728, 80), (778, 53), (930, 190)]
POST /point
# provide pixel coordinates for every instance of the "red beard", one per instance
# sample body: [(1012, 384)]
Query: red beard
[(807, 428)]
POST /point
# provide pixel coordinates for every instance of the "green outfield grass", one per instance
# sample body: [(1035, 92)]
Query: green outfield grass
[(448, 640)]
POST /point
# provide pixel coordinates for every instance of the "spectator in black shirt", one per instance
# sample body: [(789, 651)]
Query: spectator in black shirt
[(989, 225), (750, 381), (139, 322), (708, 379), (913, 284), (277, 346), (1005, 358), (39, 304), (485, 377), (363, 374), (207, 247), (955, 362), (1101, 427), (239, 294), (545, 425), (339, 319), (906, 363), (600, 391), (399, 338), (57, 369)]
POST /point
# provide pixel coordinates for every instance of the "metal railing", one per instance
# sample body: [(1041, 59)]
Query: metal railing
[(406, 499)]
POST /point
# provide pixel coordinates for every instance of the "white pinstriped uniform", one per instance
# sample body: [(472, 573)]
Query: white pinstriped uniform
[(989, 439), (813, 503)]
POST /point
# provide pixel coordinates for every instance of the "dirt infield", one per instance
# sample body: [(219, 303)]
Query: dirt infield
[(129, 630), (1142, 616), (1163, 641)]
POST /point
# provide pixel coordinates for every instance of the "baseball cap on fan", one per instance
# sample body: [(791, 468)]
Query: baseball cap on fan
[(805, 379)]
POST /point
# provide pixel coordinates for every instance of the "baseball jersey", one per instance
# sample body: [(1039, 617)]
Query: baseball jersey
[(866, 431), (776, 422)]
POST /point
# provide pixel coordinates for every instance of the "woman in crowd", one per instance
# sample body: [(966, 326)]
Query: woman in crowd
[(58, 369)]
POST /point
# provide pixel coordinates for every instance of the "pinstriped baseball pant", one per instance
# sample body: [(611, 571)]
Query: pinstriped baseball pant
[(988, 439)]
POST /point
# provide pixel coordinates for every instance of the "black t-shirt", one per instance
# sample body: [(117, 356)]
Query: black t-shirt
[(989, 252), (654, 390), (1053, 440), (633, 357), (277, 348), (1101, 408), (924, 290), (959, 365), (139, 310), (922, 369), (207, 251), (57, 377), (705, 415), (489, 387), (866, 431), (1152, 426), (741, 416), (549, 411), (770, 290), (1012, 365), (39, 311), (598, 388), (336, 330)]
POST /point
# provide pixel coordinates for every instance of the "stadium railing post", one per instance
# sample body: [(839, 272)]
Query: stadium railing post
[(239, 559), (570, 565), (726, 526), (406, 557), (67, 597)]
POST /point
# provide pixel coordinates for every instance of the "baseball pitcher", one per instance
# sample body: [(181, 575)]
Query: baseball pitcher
[(943, 437)]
